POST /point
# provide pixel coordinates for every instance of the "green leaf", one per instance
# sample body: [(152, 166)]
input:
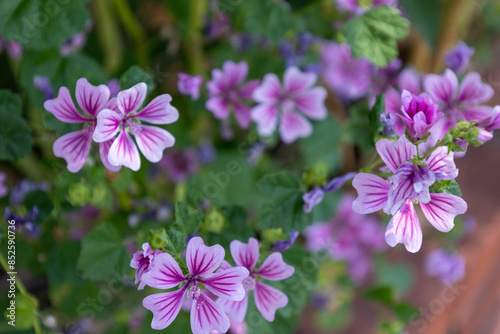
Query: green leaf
[(25, 313), (42, 24), (374, 35), (378, 109), (187, 219), (103, 255), (426, 16), (39, 199), (15, 136), (281, 203), (135, 75), (405, 312), (323, 146), (448, 187), (239, 229), (382, 294), (399, 277), (358, 124)]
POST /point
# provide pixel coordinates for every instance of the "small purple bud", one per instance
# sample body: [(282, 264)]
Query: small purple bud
[(337, 182), (14, 49), (189, 85), (206, 153), (389, 128), (419, 113), (484, 136), (457, 59), (283, 245), (42, 83), (312, 198)]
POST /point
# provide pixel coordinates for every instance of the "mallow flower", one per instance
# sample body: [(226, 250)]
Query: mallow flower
[(143, 261), (287, 104), (267, 298), (202, 264), (74, 147), (447, 267), (189, 85), (227, 91), (121, 117), (409, 185), (457, 59), (419, 114)]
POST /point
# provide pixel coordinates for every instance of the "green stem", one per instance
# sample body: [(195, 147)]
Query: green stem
[(108, 35), (194, 39), (426, 155), (370, 167), (134, 29), (19, 284)]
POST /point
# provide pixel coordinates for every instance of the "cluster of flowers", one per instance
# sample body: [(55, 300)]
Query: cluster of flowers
[(282, 106), (110, 122), (226, 290)]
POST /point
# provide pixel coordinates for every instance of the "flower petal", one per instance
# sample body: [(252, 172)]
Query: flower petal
[(206, 316), (165, 307), (372, 193), (165, 273), (443, 88), (202, 260), (268, 300), (242, 114), (295, 81), (405, 228), (245, 255), (312, 103), (442, 164), (442, 209), (269, 90), (74, 147), (131, 99), (237, 310), (159, 111), (227, 283), (218, 106), (108, 125), (104, 152), (394, 153), (266, 117), (234, 73), (63, 108), (275, 269), (294, 126), (246, 91), (473, 90), (123, 152), (398, 194), (91, 98), (152, 140)]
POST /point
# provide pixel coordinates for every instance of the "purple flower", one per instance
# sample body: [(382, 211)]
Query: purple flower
[(74, 147), (114, 87), (447, 267), (228, 92), (267, 298), (3, 188), (457, 59), (350, 78), (14, 49), (180, 165), (26, 223), (389, 121), (313, 198), (490, 120), (338, 182), (202, 262), (21, 189), (143, 262), (73, 44), (408, 184), (283, 245), (419, 113), (459, 101), (206, 152), (349, 237), (122, 118), (288, 103), (189, 85), (42, 83)]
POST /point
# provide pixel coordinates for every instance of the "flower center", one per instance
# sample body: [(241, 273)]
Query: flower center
[(194, 291), (134, 128), (249, 283)]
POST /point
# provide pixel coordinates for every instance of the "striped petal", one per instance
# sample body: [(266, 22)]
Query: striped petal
[(237, 310), (91, 98), (165, 307), (74, 147), (372, 193), (206, 316), (129, 100), (394, 153), (104, 152), (294, 126), (275, 269), (202, 260), (442, 164), (165, 273), (404, 228), (227, 283), (108, 125), (245, 255), (266, 117), (123, 152), (268, 300), (442, 210), (63, 108), (152, 140), (159, 111)]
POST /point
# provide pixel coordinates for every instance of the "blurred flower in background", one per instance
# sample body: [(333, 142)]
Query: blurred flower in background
[(447, 267)]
